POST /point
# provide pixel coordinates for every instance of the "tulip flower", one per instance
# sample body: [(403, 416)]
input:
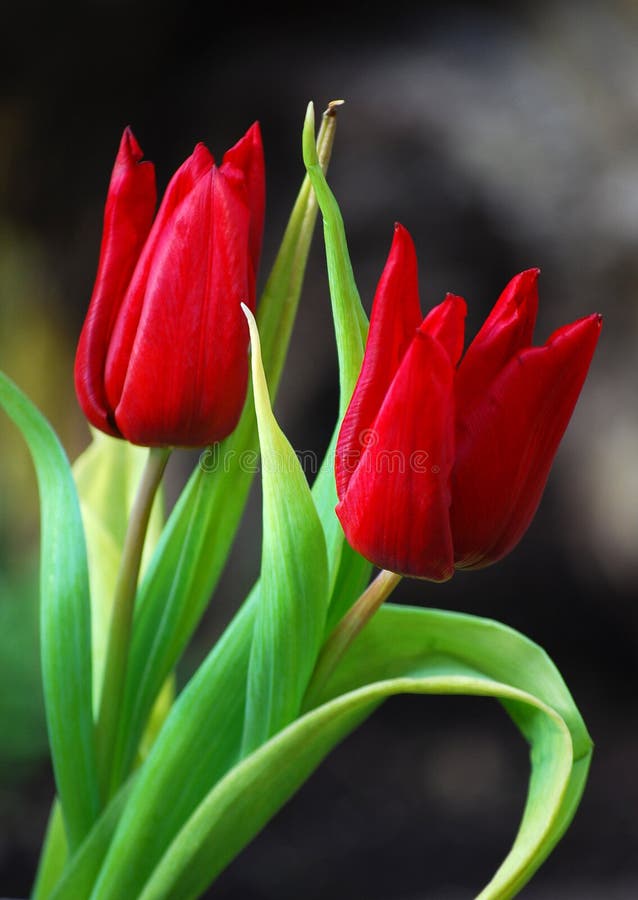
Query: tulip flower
[(163, 354), (442, 458)]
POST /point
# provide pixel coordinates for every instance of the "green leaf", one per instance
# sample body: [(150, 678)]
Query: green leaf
[(351, 579), (107, 475), (65, 618), (402, 650), (200, 531), (293, 596), (79, 875), (351, 323), (53, 856), (349, 572), (198, 743)]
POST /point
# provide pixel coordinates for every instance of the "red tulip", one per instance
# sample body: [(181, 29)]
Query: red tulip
[(441, 460), (163, 355)]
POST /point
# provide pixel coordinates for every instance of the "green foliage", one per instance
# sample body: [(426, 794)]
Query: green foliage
[(402, 650), (65, 618), (293, 596), (79, 875), (107, 476), (217, 764), (351, 328)]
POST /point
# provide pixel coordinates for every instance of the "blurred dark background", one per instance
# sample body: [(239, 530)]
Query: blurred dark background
[(503, 136)]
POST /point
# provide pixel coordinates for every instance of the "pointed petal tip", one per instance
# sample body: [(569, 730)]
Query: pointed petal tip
[(592, 322), (588, 328), (401, 261), (129, 145), (524, 282), (202, 155), (456, 300), (402, 240), (445, 324), (251, 139)]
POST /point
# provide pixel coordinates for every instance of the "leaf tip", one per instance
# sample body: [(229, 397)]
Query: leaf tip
[(310, 157)]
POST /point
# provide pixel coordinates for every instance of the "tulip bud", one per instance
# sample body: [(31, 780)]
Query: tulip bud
[(441, 464), (162, 358)]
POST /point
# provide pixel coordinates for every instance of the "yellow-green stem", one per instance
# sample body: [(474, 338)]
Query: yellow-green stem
[(346, 631), (122, 618)]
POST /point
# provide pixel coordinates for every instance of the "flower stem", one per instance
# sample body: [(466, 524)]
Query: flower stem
[(122, 617), (346, 631)]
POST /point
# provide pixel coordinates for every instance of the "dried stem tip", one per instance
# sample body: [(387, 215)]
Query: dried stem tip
[(333, 106)]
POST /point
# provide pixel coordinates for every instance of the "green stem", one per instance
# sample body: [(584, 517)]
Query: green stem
[(122, 618), (346, 631)]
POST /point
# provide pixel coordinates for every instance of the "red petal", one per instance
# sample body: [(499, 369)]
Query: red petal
[(506, 445), (396, 315), (246, 159), (508, 329), (395, 511), (187, 375), (123, 338), (128, 216), (446, 324)]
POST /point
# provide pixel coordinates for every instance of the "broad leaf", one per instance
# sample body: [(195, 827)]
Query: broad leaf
[(53, 855), (198, 743), (351, 323), (107, 475), (65, 618), (403, 650), (293, 594), (351, 329), (79, 875)]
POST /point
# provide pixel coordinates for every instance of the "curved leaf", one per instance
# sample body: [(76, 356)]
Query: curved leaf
[(403, 650), (107, 475), (198, 743), (349, 572), (53, 855), (293, 593), (65, 618), (79, 875), (350, 320)]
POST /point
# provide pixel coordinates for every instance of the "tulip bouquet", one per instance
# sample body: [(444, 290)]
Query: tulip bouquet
[(437, 463)]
